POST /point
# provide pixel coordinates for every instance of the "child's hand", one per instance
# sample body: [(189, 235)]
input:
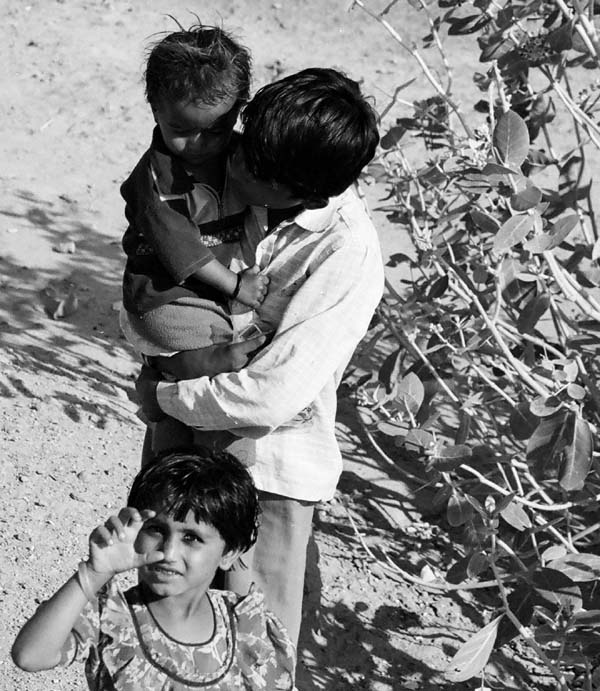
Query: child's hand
[(253, 287), (112, 544)]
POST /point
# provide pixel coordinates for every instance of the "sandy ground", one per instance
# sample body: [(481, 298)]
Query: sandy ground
[(74, 124)]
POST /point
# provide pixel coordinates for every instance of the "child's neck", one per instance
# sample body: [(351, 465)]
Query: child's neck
[(211, 173), (187, 620)]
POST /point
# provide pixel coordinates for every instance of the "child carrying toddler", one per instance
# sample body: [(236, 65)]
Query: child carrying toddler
[(189, 513)]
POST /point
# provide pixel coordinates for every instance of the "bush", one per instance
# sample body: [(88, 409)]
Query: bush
[(492, 371)]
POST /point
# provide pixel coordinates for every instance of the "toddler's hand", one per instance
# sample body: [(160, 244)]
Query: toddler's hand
[(253, 288), (112, 547)]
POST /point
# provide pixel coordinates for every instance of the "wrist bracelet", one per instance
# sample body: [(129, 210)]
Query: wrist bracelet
[(238, 285), (83, 578)]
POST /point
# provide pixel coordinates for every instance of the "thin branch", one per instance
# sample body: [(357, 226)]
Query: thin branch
[(422, 64)]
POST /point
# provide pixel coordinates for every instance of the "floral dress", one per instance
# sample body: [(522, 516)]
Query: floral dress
[(124, 648)]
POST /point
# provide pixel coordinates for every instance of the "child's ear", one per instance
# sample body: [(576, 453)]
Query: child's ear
[(315, 202), (229, 558)]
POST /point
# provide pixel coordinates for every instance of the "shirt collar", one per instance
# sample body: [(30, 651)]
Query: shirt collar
[(170, 174), (317, 220), (171, 177)]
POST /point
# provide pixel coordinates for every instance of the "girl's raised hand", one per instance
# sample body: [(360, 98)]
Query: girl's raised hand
[(112, 545)]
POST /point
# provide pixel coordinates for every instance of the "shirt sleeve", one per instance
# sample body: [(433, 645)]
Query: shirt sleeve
[(173, 236), (321, 326)]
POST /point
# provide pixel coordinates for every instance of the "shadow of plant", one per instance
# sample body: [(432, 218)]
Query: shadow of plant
[(85, 349)]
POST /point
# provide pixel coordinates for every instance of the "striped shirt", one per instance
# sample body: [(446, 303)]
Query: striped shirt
[(326, 279)]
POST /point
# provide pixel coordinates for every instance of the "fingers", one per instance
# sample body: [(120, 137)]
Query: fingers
[(117, 527)]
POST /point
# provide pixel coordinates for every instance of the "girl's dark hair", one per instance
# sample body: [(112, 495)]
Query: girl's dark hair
[(202, 63), (313, 131), (215, 486)]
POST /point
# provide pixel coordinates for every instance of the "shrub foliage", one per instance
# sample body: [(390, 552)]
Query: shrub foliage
[(491, 377)]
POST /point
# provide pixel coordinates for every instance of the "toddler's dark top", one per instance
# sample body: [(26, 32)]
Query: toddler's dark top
[(173, 220)]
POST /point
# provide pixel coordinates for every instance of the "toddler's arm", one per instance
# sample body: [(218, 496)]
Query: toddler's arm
[(111, 550), (248, 287)]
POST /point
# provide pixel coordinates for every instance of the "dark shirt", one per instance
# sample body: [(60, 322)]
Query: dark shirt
[(163, 244)]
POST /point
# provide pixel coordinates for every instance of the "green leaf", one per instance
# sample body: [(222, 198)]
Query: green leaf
[(411, 392), (438, 287), (554, 552), (514, 514), (561, 229), (389, 370), (520, 603), (484, 221), (577, 457), (543, 407), (532, 313), (556, 589), (546, 444), (491, 168), (522, 421), (457, 573), (392, 430), (477, 563), (511, 139), (418, 439), (512, 232), (526, 199), (459, 510), (578, 567), (576, 392), (472, 656), (556, 234), (392, 137)]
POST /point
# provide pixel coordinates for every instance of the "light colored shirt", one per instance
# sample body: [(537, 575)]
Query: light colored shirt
[(326, 279)]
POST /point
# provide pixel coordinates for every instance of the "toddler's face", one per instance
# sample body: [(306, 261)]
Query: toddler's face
[(192, 553), (196, 132)]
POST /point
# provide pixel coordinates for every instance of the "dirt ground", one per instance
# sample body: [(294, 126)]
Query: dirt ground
[(74, 124)]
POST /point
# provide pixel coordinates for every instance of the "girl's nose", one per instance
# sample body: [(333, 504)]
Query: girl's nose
[(169, 548)]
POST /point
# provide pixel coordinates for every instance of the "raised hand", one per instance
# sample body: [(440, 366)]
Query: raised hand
[(253, 287), (112, 545)]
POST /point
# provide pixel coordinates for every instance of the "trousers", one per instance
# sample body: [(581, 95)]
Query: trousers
[(277, 562)]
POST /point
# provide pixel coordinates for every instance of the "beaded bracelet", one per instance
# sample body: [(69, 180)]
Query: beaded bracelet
[(83, 578), (238, 285)]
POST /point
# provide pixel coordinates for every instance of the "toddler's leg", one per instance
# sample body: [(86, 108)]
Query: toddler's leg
[(169, 434)]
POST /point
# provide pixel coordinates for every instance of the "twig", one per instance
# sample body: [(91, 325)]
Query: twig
[(422, 64), (437, 587), (524, 631), (526, 502)]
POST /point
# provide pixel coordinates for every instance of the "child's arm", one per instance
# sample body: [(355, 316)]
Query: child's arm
[(40, 642), (248, 287)]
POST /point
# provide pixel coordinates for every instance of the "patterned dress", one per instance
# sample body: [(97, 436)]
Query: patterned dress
[(124, 648)]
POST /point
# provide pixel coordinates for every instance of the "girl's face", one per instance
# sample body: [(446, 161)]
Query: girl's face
[(192, 553), (195, 132)]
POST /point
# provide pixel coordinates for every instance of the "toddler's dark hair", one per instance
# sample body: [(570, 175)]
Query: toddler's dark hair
[(202, 63), (313, 131), (215, 486)]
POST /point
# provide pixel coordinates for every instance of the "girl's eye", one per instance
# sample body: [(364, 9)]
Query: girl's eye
[(190, 537)]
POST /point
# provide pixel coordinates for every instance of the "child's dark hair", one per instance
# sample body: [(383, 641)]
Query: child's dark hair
[(215, 486), (312, 131), (202, 63)]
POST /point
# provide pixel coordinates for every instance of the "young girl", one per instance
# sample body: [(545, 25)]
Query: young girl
[(189, 513)]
